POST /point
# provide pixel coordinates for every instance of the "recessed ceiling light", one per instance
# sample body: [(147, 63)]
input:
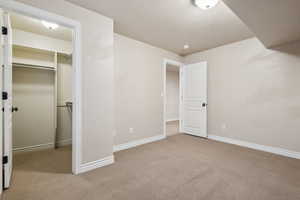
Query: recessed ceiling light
[(186, 46), (50, 25), (206, 4)]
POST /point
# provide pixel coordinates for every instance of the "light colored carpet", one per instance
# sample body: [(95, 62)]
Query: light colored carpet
[(172, 128), (180, 167)]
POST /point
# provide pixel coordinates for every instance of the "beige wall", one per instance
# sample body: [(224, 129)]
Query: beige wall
[(172, 92), (253, 93), (97, 76), (139, 105)]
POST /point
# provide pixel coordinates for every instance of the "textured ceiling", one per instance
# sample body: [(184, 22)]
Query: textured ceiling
[(170, 24), (274, 22)]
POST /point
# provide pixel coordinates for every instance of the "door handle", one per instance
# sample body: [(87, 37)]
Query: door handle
[(204, 104), (14, 109)]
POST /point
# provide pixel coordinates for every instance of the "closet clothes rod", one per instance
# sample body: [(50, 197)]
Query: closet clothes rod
[(33, 66), (68, 104)]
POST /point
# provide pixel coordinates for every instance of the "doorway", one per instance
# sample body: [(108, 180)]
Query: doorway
[(18, 65), (185, 98), (172, 94), (172, 99)]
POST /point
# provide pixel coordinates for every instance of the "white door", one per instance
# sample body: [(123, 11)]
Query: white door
[(6, 45), (1, 87), (194, 99)]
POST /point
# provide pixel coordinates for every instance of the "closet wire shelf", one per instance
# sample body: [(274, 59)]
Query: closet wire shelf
[(33, 66)]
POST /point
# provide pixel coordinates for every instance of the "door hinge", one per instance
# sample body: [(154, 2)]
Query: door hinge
[(4, 30), (4, 95), (4, 160)]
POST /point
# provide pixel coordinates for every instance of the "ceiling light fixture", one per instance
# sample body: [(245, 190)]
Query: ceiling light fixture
[(49, 25), (206, 4)]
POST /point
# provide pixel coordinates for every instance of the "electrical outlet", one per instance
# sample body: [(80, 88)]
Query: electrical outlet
[(130, 130)]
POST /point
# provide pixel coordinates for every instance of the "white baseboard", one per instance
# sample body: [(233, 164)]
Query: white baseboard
[(62, 143), (171, 120), (275, 150), (34, 147), (138, 143), (96, 164), (43, 146)]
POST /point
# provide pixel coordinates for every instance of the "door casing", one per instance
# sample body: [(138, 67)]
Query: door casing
[(7, 103), (13, 6)]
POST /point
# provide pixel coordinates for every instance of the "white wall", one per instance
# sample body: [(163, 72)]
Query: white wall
[(139, 84), (27, 39), (253, 92), (97, 76), (33, 94), (33, 57), (64, 94), (172, 92)]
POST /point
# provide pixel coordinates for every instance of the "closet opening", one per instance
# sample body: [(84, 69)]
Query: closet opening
[(172, 97), (41, 98)]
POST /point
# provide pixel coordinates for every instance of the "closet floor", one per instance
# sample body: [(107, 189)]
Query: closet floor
[(49, 161), (172, 128), (34, 172)]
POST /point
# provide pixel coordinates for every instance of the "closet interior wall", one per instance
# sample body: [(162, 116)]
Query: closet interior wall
[(172, 94), (64, 95), (42, 84)]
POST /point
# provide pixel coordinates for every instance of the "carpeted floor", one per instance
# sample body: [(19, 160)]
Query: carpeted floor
[(172, 128), (180, 167)]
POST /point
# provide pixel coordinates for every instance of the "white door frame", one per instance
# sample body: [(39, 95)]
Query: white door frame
[(1, 116), (180, 65), (11, 5)]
